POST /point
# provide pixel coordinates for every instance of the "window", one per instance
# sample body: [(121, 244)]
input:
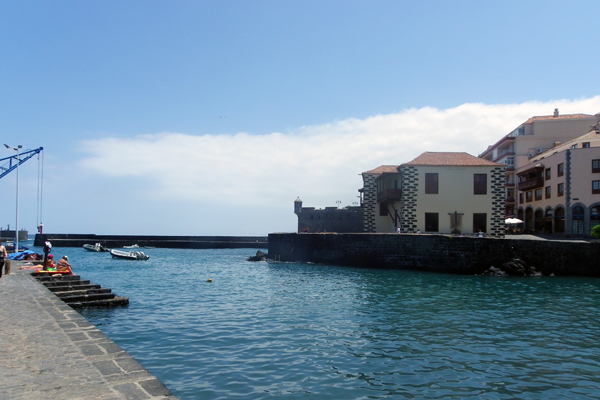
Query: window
[(548, 174), (561, 169), (548, 191), (480, 184), (595, 187), (538, 194), (595, 166), (586, 145), (431, 222), (521, 201), (578, 216), (561, 190), (479, 222), (383, 209), (431, 183), (574, 146), (528, 196)]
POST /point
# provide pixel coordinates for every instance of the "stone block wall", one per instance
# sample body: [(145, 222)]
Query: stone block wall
[(498, 226), (439, 253), (410, 185), (331, 219), (369, 202)]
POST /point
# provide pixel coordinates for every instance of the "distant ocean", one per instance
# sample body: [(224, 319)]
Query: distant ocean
[(297, 331)]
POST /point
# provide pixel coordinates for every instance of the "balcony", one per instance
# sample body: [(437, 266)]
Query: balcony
[(389, 195), (532, 183), (510, 200)]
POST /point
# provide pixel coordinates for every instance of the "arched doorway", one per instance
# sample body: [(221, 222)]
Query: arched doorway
[(594, 216), (577, 224), (548, 221), (520, 214), (559, 220), (538, 218), (529, 219)]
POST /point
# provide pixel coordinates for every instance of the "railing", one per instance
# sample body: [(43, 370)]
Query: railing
[(389, 195), (534, 183)]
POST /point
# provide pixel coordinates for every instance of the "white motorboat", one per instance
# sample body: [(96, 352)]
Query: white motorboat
[(95, 247), (129, 255)]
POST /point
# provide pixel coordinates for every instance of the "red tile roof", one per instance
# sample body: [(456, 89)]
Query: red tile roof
[(451, 159), (383, 169)]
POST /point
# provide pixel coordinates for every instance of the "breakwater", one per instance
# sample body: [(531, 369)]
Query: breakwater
[(437, 253), (171, 242)]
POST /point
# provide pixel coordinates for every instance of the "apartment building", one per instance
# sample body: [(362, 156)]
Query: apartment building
[(532, 138), (559, 190)]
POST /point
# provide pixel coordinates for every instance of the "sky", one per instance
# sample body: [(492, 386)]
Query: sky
[(211, 117)]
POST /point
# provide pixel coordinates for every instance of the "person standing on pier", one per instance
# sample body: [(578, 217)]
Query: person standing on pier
[(3, 256), (47, 248)]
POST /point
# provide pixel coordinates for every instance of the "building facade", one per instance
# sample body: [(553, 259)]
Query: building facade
[(438, 193), (529, 140), (559, 190)]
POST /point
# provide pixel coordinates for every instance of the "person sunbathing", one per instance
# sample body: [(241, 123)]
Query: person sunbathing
[(50, 262), (63, 265)]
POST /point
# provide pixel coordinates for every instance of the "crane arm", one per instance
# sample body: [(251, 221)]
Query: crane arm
[(8, 164)]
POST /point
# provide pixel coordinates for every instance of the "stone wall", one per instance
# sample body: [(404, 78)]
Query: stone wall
[(439, 253), (369, 202), (498, 226), (330, 219)]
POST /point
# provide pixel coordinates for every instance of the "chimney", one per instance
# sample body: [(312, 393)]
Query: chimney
[(555, 112)]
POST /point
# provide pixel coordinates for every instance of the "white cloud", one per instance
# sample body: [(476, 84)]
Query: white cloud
[(244, 184), (320, 163)]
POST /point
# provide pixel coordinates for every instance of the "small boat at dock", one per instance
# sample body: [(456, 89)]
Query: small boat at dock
[(129, 255)]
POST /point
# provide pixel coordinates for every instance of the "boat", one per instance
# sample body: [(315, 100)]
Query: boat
[(94, 247), (10, 246), (129, 255), (133, 246)]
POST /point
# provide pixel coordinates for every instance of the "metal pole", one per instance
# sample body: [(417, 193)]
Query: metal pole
[(17, 224), (17, 207)]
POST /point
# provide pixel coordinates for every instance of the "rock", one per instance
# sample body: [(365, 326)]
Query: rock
[(514, 267), (260, 256), (493, 271)]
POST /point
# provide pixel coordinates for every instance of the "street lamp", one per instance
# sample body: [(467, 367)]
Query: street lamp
[(17, 212)]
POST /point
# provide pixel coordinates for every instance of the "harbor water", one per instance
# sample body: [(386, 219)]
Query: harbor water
[(263, 330)]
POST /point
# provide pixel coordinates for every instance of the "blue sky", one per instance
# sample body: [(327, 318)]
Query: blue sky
[(211, 117)]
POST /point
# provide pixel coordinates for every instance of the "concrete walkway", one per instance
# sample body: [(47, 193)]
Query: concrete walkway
[(49, 351)]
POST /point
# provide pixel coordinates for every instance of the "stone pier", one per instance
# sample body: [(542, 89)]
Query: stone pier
[(49, 351)]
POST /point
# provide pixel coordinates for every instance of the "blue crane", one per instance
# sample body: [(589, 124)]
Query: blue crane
[(8, 164)]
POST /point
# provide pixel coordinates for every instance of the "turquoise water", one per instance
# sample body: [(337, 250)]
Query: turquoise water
[(296, 331)]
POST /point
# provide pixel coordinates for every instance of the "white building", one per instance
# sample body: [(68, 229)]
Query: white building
[(441, 192)]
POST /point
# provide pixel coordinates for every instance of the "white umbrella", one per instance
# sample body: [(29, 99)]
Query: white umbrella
[(513, 221)]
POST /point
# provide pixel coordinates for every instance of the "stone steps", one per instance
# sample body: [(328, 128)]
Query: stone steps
[(79, 293)]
